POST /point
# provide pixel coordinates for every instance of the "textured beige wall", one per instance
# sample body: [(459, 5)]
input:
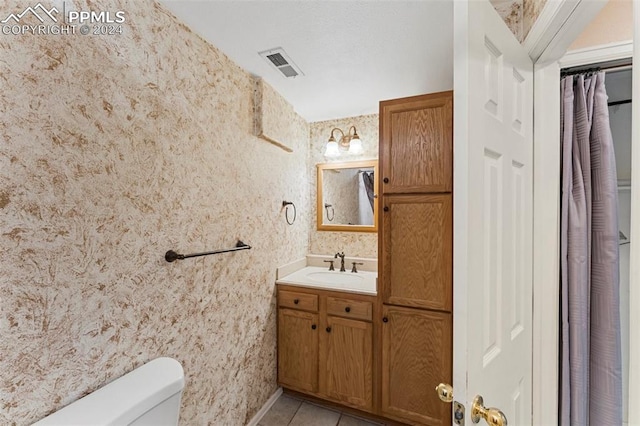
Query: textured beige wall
[(519, 15), (532, 10), (360, 244), (270, 109), (511, 13), (114, 150), (613, 24)]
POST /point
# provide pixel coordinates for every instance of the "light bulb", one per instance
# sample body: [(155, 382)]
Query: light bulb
[(355, 146), (332, 150)]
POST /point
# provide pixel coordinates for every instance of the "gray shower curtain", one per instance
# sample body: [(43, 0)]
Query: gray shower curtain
[(591, 379), (367, 178)]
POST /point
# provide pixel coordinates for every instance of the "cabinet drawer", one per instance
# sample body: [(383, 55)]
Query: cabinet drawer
[(302, 301), (349, 308)]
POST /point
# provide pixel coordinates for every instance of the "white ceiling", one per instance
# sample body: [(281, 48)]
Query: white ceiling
[(352, 53)]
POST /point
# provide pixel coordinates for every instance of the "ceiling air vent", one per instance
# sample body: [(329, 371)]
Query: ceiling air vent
[(279, 59)]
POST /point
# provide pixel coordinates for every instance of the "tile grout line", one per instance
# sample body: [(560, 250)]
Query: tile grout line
[(294, 414)]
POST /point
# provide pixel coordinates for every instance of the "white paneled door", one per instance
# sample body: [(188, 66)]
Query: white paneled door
[(493, 155)]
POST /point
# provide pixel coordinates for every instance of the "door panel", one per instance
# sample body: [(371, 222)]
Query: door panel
[(348, 362), (416, 250), (416, 357), (493, 149), (416, 140), (298, 349)]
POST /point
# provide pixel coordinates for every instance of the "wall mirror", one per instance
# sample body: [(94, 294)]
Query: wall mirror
[(347, 196)]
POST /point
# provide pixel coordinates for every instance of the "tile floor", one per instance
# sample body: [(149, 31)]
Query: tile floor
[(289, 411)]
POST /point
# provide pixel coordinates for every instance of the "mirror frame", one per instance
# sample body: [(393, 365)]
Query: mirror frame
[(319, 205)]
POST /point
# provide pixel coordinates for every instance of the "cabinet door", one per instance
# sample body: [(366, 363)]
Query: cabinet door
[(416, 357), (298, 350), (416, 148), (348, 362), (416, 251)]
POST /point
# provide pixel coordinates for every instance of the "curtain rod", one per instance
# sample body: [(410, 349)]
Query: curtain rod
[(625, 101), (595, 68), (618, 68)]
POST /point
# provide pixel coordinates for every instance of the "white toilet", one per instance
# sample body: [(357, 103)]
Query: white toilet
[(147, 396)]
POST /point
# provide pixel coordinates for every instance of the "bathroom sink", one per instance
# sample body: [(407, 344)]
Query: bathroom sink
[(363, 282), (335, 277)]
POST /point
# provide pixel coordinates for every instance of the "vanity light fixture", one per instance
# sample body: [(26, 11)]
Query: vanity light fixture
[(349, 141)]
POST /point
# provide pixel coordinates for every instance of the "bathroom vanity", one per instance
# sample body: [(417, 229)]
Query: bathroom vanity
[(336, 342), (325, 344), (326, 334), (383, 349)]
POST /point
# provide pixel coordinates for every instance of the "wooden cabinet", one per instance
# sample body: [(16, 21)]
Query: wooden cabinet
[(416, 140), (334, 360), (298, 350), (413, 344), (416, 256), (415, 262), (347, 362)]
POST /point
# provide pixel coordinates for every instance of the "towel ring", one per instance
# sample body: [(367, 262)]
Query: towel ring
[(286, 213), (333, 212)]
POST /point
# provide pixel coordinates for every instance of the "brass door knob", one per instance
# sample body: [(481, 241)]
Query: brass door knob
[(492, 416), (445, 392)]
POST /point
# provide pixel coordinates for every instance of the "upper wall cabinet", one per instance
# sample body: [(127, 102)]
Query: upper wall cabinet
[(416, 140)]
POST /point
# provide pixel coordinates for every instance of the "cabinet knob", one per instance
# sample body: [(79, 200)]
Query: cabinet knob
[(386, 208), (296, 301), (385, 319), (347, 309), (385, 180), (313, 326), (328, 329)]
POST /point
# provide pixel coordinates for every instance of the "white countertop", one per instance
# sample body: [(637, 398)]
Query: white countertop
[(362, 282)]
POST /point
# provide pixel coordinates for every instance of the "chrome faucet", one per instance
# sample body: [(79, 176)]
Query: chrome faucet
[(341, 256)]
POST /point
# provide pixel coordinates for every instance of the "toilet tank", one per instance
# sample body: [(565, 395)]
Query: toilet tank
[(149, 395)]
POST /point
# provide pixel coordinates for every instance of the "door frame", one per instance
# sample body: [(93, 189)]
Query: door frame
[(546, 243), (557, 26), (634, 273), (547, 227)]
